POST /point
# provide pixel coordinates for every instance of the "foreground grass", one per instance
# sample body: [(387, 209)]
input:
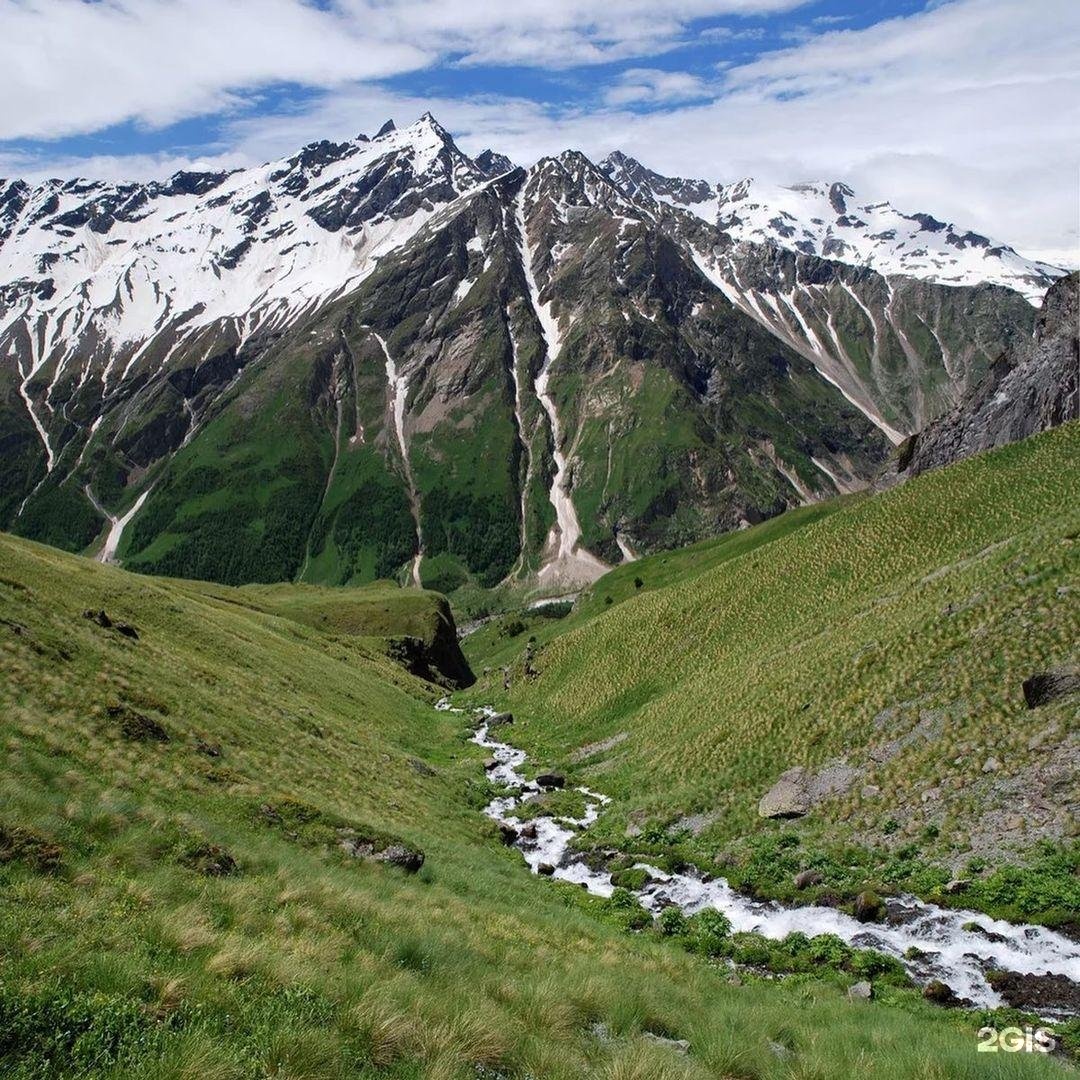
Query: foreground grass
[(173, 904), (933, 602)]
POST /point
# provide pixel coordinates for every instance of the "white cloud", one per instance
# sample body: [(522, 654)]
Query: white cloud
[(653, 86), (969, 110), (71, 66)]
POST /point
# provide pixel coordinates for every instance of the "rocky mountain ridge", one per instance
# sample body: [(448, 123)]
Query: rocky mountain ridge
[(383, 358)]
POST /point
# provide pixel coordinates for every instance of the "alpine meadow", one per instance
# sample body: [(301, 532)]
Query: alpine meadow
[(587, 586)]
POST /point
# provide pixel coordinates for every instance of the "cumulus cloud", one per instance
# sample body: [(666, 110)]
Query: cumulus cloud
[(73, 67), (652, 86), (969, 110)]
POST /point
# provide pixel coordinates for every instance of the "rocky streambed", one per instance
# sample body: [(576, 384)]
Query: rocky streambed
[(936, 945)]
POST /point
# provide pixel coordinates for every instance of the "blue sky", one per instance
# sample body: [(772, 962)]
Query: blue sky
[(943, 106)]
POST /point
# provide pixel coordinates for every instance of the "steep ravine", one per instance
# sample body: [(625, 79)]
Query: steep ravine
[(956, 947)]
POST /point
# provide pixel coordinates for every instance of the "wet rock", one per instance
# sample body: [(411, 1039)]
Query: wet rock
[(507, 833), (990, 935), (1047, 686), (860, 991), (941, 994), (807, 878), (528, 831), (490, 763), (1037, 993), (551, 780), (499, 719), (868, 906), (789, 797), (680, 1046), (546, 869)]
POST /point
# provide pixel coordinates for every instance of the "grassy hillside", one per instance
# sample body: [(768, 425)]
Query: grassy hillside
[(175, 900), (383, 613), (891, 636), (499, 642)]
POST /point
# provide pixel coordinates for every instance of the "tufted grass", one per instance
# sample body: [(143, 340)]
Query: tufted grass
[(936, 599), (125, 961)]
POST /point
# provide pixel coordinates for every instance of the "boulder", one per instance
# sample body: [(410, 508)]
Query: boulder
[(551, 780), (868, 906), (789, 797), (528, 831), (409, 859), (860, 991), (490, 763), (940, 994), (1038, 993), (957, 885), (500, 718), (680, 1046), (546, 869), (807, 878), (1046, 686), (127, 630), (507, 833)]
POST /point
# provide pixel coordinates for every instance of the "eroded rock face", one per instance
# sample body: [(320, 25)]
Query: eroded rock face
[(1032, 388)]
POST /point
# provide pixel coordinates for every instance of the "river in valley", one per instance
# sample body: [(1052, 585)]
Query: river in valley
[(956, 947)]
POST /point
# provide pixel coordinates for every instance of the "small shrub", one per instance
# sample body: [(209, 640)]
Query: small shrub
[(708, 932), (671, 922), (631, 878), (623, 909)]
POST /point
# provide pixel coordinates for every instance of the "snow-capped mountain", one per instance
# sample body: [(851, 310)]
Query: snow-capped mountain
[(831, 221), (383, 357), (123, 263)]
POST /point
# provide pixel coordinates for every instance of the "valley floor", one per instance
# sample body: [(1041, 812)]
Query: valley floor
[(213, 802)]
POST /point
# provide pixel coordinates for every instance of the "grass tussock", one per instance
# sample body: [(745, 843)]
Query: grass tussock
[(127, 955)]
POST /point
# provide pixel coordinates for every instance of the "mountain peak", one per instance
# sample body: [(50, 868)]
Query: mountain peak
[(386, 129)]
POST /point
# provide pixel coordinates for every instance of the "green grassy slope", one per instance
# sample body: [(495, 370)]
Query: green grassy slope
[(932, 602), (126, 955), (493, 646)]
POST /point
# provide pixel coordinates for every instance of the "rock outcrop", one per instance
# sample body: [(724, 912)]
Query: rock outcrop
[(1031, 389), (1047, 686), (798, 789)]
